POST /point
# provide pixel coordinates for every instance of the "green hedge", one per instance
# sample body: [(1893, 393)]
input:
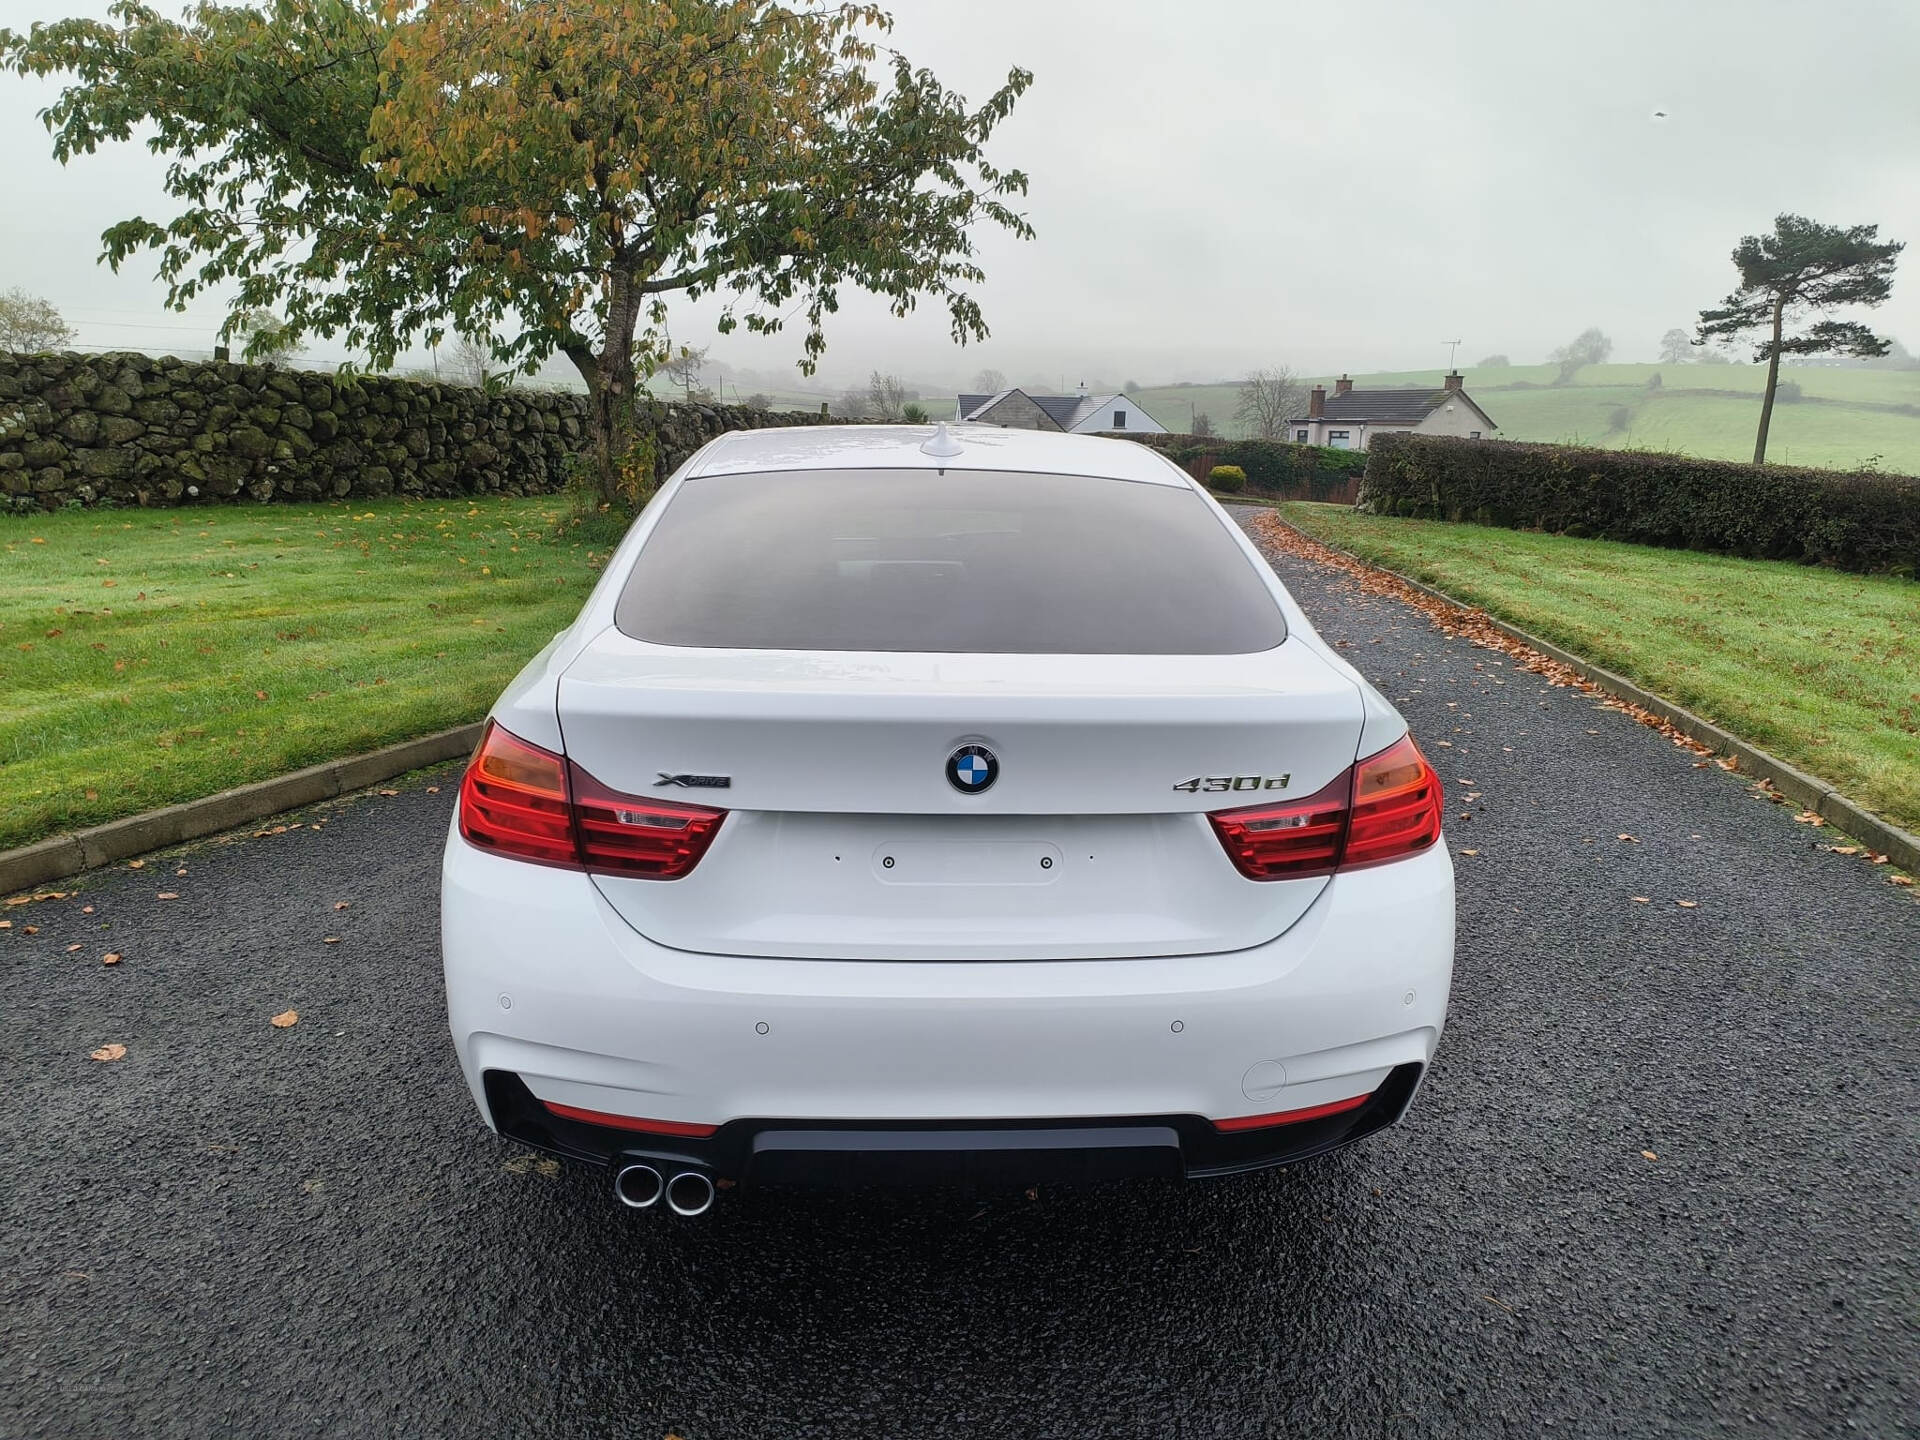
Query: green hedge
[(1311, 472), (1850, 520)]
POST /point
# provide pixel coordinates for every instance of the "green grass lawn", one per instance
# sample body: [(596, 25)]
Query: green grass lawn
[(1820, 667), (154, 656)]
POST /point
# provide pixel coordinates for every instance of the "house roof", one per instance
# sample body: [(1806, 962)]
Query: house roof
[(1390, 407), (970, 405), (1063, 410), (1066, 411)]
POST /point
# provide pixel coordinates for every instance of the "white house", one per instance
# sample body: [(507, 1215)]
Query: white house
[(1349, 418), (1075, 414)]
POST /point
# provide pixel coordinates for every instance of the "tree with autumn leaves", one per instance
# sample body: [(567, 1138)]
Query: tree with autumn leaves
[(547, 172)]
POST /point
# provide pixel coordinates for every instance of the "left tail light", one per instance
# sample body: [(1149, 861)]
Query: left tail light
[(521, 800)]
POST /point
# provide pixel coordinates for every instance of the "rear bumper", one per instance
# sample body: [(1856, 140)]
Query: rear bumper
[(549, 989), (838, 1152)]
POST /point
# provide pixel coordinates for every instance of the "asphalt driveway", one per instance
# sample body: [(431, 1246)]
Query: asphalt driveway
[(1663, 1180)]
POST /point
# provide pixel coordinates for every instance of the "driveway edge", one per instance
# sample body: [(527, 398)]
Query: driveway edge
[(63, 855), (1807, 791)]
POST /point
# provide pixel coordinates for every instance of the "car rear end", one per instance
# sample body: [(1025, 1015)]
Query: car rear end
[(890, 816)]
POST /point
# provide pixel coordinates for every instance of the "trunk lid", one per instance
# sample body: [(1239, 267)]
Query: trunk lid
[(846, 838)]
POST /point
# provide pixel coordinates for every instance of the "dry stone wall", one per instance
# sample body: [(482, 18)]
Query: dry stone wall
[(132, 429)]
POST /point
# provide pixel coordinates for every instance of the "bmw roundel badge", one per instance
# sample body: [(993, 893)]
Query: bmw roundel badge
[(972, 768)]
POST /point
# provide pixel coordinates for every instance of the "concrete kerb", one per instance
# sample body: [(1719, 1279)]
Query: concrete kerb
[(1807, 791), (64, 855)]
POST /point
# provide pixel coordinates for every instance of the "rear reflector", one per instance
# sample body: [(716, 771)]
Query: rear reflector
[(1384, 808), (520, 800), (1292, 1117), (630, 1122)]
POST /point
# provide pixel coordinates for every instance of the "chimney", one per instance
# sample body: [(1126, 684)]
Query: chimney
[(1342, 385), (1317, 402), (1454, 380)]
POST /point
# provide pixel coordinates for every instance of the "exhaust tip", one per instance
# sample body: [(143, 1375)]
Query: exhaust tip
[(638, 1186), (690, 1193)]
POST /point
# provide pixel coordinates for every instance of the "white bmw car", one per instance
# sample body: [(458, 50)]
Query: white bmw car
[(963, 804)]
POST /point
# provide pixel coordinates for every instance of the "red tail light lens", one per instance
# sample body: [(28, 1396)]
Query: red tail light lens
[(1284, 842), (1386, 807), (513, 801), (521, 800), (625, 835), (1396, 806)]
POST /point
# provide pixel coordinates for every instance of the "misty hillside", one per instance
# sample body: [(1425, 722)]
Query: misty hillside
[(1842, 419)]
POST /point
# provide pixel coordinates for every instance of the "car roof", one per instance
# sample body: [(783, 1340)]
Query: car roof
[(897, 447)]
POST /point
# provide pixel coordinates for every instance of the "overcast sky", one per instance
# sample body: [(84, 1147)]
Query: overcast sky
[(1332, 186)]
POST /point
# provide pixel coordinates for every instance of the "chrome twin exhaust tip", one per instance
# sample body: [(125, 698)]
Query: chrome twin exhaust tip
[(638, 1186), (690, 1193)]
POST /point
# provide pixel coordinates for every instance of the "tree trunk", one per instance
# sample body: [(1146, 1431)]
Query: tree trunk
[(1773, 379), (613, 421)]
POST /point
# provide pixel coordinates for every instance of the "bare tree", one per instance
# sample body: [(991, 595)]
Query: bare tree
[(852, 404), (1676, 348), (1269, 398), (470, 361), (1203, 424), (684, 369), (28, 324), (989, 382), (887, 395), (1589, 347), (758, 401), (268, 338)]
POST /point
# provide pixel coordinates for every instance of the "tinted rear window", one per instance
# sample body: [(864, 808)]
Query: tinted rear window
[(962, 562)]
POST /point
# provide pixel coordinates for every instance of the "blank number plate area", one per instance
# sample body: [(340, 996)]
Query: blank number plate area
[(966, 862)]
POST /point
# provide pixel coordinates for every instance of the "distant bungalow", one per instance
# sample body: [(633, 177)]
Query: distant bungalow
[(1081, 414), (1347, 418)]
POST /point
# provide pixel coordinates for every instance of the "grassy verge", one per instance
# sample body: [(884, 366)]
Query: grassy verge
[(154, 656), (1819, 667)]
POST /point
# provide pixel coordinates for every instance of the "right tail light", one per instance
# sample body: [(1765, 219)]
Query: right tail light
[(1385, 807)]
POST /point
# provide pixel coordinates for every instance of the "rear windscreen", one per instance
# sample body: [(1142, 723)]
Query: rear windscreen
[(968, 561)]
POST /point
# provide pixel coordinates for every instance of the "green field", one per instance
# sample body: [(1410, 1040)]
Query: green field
[(154, 656), (1845, 418), (1821, 668)]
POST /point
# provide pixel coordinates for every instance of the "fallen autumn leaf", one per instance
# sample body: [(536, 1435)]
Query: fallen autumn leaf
[(109, 1052), (285, 1019)]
